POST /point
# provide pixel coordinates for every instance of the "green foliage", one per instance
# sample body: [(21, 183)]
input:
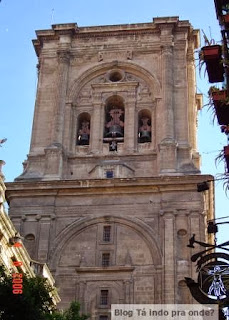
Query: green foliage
[(34, 303), (73, 313)]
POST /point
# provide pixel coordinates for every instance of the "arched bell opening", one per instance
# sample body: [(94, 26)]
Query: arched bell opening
[(114, 119), (83, 129), (144, 126)]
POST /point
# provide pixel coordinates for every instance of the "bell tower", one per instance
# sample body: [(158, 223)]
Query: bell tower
[(131, 111), (108, 194)]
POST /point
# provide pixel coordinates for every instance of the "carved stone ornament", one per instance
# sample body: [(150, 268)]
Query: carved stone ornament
[(63, 56), (100, 56), (129, 55)]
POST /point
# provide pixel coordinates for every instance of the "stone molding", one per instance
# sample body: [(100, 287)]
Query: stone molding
[(104, 269), (139, 226), (97, 70)]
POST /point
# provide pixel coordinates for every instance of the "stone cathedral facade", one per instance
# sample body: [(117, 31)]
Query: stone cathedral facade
[(108, 196)]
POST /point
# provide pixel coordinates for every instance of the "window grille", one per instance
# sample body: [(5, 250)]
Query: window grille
[(104, 297), (105, 259), (107, 234)]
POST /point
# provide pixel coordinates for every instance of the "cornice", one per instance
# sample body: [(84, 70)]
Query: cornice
[(105, 269), (104, 186), (115, 33), (75, 32)]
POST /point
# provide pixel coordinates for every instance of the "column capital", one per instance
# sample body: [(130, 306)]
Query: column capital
[(168, 214), (63, 55), (167, 48)]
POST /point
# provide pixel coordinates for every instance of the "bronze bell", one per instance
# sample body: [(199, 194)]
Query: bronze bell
[(83, 139), (115, 131), (145, 130), (144, 136)]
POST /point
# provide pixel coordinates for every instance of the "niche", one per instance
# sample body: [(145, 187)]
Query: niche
[(83, 132), (144, 126), (114, 120)]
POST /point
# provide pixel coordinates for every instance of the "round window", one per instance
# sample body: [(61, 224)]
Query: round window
[(30, 237), (116, 75)]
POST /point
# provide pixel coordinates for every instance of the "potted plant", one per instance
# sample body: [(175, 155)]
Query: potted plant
[(211, 55), (226, 19), (218, 95), (220, 6), (220, 102), (224, 155), (211, 52)]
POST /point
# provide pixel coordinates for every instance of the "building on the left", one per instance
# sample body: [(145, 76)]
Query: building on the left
[(10, 253)]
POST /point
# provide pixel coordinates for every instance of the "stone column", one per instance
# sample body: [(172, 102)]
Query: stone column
[(69, 138), (2, 163), (82, 288), (127, 291), (54, 152), (73, 114), (169, 258), (181, 90), (186, 115), (44, 235), (97, 126), (183, 263), (130, 133), (192, 105), (40, 95), (153, 126), (2, 187), (77, 290), (53, 162), (192, 108), (158, 295), (165, 111), (167, 83), (61, 89), (194, 222)]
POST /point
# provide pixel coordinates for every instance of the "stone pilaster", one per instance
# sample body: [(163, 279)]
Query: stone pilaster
[(61, 87), (192, 108), (44, 234), (167, 83), (130, 136), (82, 288), (167, 146), (97, 126), (2, 163), (192, 104), (127, 291), (194, 221), (168, 156), (69, 138), (53, 161), (169, 258), (54, 152)]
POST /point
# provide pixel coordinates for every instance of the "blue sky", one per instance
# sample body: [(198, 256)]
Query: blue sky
[(18, 22)]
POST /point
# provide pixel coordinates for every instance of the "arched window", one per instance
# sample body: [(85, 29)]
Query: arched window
[(83, 129), (144, 126), (114, 121)]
